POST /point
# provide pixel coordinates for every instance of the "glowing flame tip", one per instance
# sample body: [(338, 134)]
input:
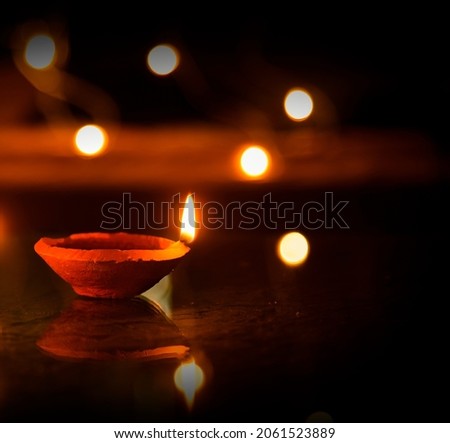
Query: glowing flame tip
[(188, 221)]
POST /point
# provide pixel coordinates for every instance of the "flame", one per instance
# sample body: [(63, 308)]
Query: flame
[(189, 379), (293, 248), (187, 234)]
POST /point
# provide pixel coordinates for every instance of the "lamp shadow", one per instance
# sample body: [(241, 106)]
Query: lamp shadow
[(98, 329)]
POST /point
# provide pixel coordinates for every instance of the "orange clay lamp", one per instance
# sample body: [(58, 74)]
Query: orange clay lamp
[(115, 265)]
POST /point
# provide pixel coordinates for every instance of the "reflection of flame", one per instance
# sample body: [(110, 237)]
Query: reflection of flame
[(189, 379), (188, 221)]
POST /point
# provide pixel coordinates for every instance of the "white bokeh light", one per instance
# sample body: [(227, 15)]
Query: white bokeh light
[(40, 51), (163, 59), (298, 104), (254, 161), (90, 140)]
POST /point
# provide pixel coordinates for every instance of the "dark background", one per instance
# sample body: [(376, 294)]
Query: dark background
[(377, 67)]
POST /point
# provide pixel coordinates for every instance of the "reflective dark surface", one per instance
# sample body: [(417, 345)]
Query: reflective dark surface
[(358, 332)]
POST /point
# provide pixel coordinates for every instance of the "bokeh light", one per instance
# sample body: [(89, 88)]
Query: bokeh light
[(40, 51), (255, 161), (293, 248), (163, 59), (298, 104), (90, 140)]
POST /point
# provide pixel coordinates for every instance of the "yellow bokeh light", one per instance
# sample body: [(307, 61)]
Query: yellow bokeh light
[(255, 161), (40, 51), (163, 59), (293, 248), (298, 104), (189, 379), (90, 140)]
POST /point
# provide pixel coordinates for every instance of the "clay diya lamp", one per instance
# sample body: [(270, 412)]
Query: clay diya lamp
[(117, 265)]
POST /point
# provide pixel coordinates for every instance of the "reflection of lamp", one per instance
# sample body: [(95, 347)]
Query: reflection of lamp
[(113, 330)]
